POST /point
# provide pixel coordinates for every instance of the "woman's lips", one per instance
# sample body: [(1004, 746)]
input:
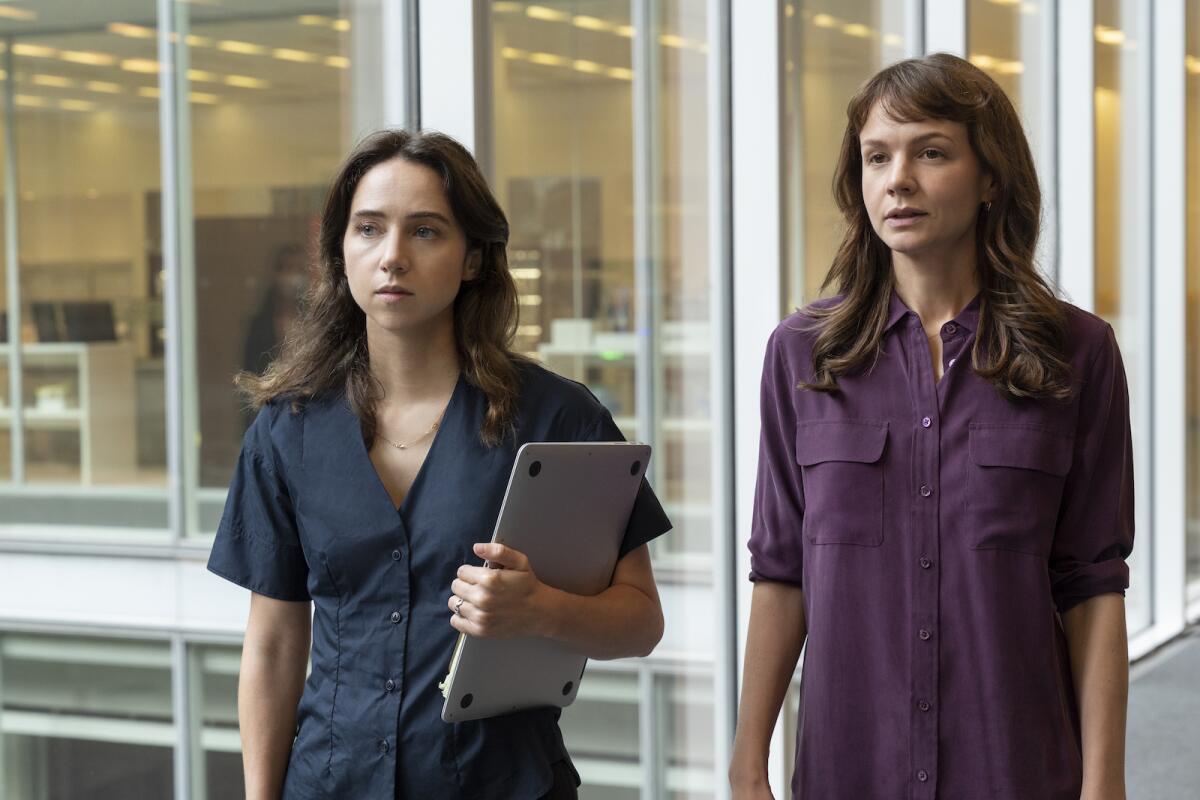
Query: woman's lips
[(905, 220)]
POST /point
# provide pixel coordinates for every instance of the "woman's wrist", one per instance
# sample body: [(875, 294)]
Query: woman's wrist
[(546, 612)]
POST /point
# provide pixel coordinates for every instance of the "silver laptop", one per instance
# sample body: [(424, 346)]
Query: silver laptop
[(566, 508)]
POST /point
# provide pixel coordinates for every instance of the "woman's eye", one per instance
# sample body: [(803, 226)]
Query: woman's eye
[(425, 232), (931, 153), (875, 158), (367, 229)]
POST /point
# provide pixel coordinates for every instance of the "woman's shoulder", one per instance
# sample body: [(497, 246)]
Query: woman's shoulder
[(1088, 334), (798, 329), (546, 394), (279, 423)]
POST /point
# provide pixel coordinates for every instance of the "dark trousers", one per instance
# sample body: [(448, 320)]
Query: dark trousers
[(564, 783)]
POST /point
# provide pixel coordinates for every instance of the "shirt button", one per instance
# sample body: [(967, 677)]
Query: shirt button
[(390, 685), (925, 490), (924, 634), (925, 563), (923, 705), (395, 616), (383, 746), (926, 422), (952, 361), (922, 775), (950, 329), (395, 555)]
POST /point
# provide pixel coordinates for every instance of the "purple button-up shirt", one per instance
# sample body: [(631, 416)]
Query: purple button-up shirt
[(938, 530)]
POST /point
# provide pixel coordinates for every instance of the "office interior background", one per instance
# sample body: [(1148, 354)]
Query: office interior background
[(666, 168)]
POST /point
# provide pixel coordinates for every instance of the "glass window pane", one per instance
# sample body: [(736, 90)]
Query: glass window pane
[(271, 115), (1192, 182), (89, 248), (1008, 41), (601, 730), (1122, 243), (218, 765), (608, 258), (684, 714), (85, 718), (829, 48), (1014, 44)]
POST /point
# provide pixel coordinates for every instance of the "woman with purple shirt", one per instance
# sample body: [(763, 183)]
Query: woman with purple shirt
[(945, 489)]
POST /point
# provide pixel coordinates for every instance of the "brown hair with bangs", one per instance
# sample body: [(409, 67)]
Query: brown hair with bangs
[(1021, 343), (326, 348)]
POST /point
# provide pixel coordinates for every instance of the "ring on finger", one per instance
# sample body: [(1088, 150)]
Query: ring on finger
[(458, 606)]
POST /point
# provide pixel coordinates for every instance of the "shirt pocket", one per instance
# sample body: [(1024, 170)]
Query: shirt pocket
[(1015, 479), (843, 480)]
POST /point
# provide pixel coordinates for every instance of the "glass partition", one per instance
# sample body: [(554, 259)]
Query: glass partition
[(85, 148), (279, 93), (85, 718), (1192, 184), (217, 744), (600, 137), (828, 49), (1122, 243)]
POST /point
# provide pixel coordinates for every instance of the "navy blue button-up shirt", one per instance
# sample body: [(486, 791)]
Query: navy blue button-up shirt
[(938, 530), (308, 518)]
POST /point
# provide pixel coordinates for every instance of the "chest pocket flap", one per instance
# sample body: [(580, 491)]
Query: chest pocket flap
[(1025, 447), (818, 441)]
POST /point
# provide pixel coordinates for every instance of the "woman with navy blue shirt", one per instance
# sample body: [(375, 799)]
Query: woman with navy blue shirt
[(369, 484)]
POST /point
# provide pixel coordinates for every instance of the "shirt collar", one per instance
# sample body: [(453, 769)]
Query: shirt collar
[(968, 318)]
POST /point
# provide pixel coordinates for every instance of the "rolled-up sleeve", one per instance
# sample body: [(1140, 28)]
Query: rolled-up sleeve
[(257, 544), (1094, 535), (776, 546)]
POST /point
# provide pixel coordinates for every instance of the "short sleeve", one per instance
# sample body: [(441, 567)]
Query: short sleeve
[(257, 544), (1095, 522), (648, 520), (776, 547)]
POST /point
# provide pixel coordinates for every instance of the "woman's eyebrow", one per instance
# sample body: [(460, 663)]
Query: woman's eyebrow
[(429, 215), (370, 213), (924, 137)]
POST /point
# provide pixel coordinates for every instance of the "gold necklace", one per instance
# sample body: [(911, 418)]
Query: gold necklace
[(407, 445)]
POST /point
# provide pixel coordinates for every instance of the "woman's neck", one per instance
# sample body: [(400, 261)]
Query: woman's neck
[(936, 292), (413, 365)]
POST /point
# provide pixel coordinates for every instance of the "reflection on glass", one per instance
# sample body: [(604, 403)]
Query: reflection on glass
[(1121, 243), (1192, 182), (85, 718), (270, 120), (86, 151), (829, 48)]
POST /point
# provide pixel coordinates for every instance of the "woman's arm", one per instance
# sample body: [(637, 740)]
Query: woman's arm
[(622, 621), (1099, 652), (773, 644), (271, 679)]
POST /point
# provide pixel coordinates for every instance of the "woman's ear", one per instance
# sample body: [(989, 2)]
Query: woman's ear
[(989, 189), (472, 265)]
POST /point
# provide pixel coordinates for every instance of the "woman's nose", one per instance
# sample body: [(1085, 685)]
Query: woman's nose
[(394, 257), (900, 178)]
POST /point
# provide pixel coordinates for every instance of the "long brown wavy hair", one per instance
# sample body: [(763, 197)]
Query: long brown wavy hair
[(326, 348), (1021, 343)]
